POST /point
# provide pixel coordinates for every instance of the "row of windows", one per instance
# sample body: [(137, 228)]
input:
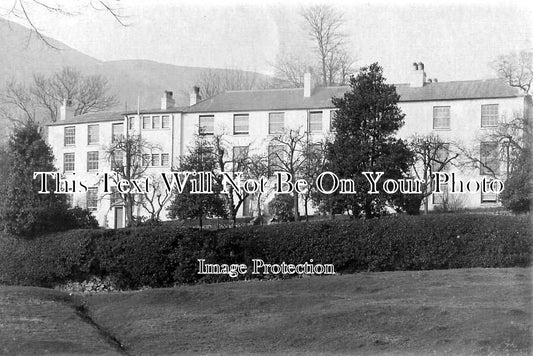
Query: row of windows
[(91, 198), (93, 159), (276, 123), (241, 123), (441, 116), (93, 134), (156, 160), (153, 122), (440, 199)]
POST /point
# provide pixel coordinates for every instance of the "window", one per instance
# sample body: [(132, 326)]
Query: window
[(146, 160), (92, 161), (92, 198), (315, 121), (489, 162), (332, 115), (489, 115), (439, 155), (117, 160), (70, 135), (146, 122), (441, 117), (155, 160), (93, 134), (156, 122), (165, 122), (207, 125), (165, 159), (240, 153), (117, 132), (68, 162), (489, 197), (115, 197), (276, 122), (131, 122), (241, 124), (275, 156)]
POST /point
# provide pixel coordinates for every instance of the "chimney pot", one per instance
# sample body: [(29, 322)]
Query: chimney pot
[(308, 83), (167, 101), (66, 111), (429, 80), (418, 76), (435, 80), (195, 96)]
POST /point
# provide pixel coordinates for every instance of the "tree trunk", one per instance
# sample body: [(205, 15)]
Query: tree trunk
[(306, 212), (296, 212)]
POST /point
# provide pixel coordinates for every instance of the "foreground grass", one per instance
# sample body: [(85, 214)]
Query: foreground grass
[(447, 312), (38, 321)]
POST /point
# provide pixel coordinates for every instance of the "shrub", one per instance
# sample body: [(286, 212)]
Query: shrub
[(81, 219), (517, 193), (164, 255), (281, 207)]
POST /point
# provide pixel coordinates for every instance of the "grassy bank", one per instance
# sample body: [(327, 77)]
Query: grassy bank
[(446, 312)]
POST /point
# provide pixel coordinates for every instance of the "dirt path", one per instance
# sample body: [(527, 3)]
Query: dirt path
[(38, 321)]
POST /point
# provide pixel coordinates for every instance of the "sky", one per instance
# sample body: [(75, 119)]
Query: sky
[(456, 40)]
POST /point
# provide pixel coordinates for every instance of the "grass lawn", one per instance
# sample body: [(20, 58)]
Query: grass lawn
[(447, 312), (39, 321)]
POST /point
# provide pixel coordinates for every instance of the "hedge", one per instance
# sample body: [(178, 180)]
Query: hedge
[(164, 255)]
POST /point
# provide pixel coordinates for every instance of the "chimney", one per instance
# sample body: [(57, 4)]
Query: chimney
[(308, 83), (418, 76), (435, 80), (66, 111), (167, 101), (195, 96)]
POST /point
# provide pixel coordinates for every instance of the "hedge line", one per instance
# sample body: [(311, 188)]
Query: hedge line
[(164, 256)]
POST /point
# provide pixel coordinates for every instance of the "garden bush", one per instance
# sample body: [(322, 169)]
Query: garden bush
[(165, 255)]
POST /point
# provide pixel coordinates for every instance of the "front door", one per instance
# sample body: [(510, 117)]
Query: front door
[(119, 217)]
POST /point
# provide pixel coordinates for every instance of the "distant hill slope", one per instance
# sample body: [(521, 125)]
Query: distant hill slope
[(24, 54)]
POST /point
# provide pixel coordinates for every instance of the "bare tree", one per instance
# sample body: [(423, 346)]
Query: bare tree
[(89, 93), (324, 26), (156, 198), (286, 153), (129, 160), (431, 154), (257, 167), (502, 144), (229, 162), (215, 81), (516, 69), (18, 96), (292, 69), (315, 163), (23, 9)]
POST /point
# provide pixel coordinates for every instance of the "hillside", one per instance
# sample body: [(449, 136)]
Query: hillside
[(24, 54)]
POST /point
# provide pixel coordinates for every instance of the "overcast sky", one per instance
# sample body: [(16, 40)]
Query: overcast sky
[(455, 40)]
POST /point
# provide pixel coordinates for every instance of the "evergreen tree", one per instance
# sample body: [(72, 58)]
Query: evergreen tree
[(187, 205), (364, 126), (23, 211)]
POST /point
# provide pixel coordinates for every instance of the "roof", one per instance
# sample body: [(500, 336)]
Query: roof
[(157, 111), (101, 116), (293, 99), (288, 99)]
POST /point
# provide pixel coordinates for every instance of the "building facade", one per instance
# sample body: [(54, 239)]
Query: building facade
[(461, 113)]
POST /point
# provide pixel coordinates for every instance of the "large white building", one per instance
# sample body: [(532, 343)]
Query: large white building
[(459, 112)]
